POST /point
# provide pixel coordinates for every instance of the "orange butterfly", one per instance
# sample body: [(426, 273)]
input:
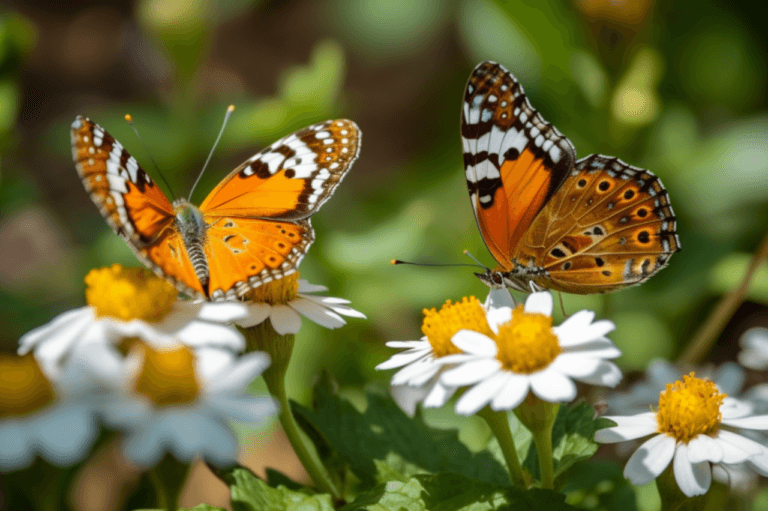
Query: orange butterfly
[(252, 228), (588, 226)]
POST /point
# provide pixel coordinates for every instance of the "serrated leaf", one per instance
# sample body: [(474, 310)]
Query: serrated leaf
[(454, 492), (601, 484), (383, 432), (249, 493)]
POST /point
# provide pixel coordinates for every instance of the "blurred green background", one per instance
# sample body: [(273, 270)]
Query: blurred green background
[(678, 87)]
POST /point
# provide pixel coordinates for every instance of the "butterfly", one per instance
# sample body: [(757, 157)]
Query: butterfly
[(551, 221), (254, 227)]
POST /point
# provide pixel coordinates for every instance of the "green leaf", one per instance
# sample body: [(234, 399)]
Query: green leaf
[(276, 478), (600, 485), (249, 493), (383, 432), (454, 492)]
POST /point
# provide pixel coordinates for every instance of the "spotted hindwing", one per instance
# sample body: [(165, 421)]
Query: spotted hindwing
[(514, 160), (609, 226)]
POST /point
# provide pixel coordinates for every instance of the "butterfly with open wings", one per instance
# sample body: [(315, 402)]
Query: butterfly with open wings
[(254, 227), (584, 226)]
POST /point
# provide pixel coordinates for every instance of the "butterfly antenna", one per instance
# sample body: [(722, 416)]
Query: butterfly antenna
[(434, 265), (230, 109), (475, 259), (129, 120), (562, 305)]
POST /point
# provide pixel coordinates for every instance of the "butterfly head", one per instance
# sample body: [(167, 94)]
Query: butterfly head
[(496, 279)]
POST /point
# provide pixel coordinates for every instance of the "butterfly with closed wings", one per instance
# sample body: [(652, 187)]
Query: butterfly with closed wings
[(584, 226), (254, 227)]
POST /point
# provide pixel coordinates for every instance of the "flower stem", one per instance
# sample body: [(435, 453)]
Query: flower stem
[(708, 333), (168, 478), (499, 424), (539, 417), (263, 337)]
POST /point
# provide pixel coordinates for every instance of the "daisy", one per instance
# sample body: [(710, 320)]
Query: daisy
[(178, 401), (523, 352), (126, 303), (754, 353), (39, 417), (285, 300), (694, 429), (421, 364)]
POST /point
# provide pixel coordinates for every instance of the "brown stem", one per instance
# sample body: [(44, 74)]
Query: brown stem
[(708, 333)]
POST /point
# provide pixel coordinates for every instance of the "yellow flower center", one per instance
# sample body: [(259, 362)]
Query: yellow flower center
[(527, 343), (276, 292), (128, 293), (688, 408), (440, 326), (23, 386), (167, 377)]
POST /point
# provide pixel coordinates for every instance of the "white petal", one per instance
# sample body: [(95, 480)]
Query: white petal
[(306, 287), (760, 463), (575, 365), (80, 317), (412, 370), (704, 448), (514, 392), (607, 374), (647, 419), (250, 409), (258, 312), (539, 303), (439, 395), (474, 343), (743, 443), (596, 348), (650, 459), (731, 453), (470, 372), (730, 378), (65, 434), (553, 386), (407, 397), (16, 444), (759, 422), (221, 312), (284, 319), (498, 298), (202, 333), (580, 333), (692, 478), (481, 394), (317, 313), (423, 378), (622, 434), (402, 359), (409, 344), (735, 409), (498, 317), (239, 374)]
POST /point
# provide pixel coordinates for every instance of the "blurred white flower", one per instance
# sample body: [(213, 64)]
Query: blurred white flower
[(53, 420), (126, 303), (694, 429), (523, 352), (285, 300), (754, 352), (178, 401)]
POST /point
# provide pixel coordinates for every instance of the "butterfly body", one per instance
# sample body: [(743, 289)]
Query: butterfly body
[(592, 225), (254, 227)]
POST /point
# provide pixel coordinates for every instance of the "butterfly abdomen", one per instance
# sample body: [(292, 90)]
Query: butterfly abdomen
[(191, 225)]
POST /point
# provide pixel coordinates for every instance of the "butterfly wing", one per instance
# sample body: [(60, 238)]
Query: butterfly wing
[(609, 226), (132, 204), (258, 216), (514, 160), (290, 179)]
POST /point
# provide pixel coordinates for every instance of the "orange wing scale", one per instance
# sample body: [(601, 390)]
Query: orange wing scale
[(168, 254), (254, 196)]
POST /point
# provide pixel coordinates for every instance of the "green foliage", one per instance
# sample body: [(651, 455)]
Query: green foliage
[(202, 507), (384, 433), (249, 493), (600, 486)]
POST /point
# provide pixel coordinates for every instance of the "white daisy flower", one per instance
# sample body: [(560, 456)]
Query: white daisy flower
[(694, 429), (729, 379), (754, 352), (421, 363), (38, 417), (523, 352), (285, 300), (178, 401), (128, 303)]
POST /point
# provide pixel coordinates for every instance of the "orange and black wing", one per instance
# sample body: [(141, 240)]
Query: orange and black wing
[(132, 204), (290, 179), (514, 160)]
